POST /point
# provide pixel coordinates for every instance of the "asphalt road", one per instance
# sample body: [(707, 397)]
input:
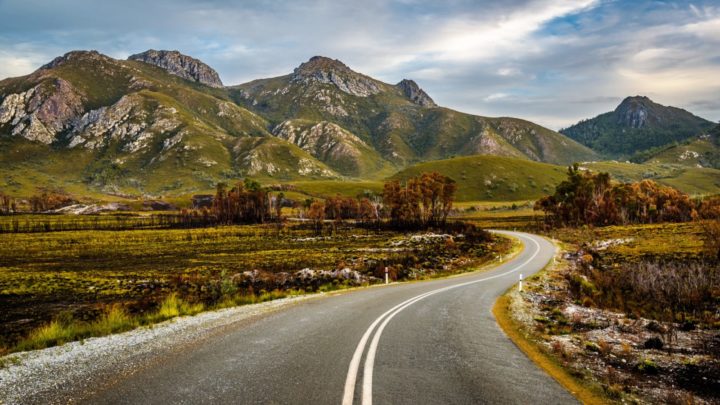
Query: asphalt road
[(433, 342)]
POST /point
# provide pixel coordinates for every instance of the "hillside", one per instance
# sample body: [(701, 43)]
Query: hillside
[(691, 180), (493, 178), (636, 125), (161, 123), (699, 151), (401, 122), (131, 127)]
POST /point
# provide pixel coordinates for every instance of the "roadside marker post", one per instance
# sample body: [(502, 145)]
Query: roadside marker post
[(387, 279), (520, 283)]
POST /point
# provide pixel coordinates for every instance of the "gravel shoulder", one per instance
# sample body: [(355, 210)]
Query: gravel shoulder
[(44, 376)]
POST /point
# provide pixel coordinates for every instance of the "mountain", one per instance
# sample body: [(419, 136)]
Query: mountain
[(135, 127), (161, 122), (181, 65), (636, 125), (415, 93), (401, 122), (699, 151)]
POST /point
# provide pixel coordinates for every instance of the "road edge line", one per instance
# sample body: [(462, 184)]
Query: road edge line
[(513, 331)]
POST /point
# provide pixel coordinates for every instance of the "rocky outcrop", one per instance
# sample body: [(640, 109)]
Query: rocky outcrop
[(324, 140), (633, 112), (270, 156), (417, 95), (75, 55), (42, 112), (127, 121), (320, 69), (331, 144), (181, 65)]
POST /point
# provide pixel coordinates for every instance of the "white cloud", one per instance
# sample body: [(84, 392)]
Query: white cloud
[(496, 96), (467, 39)]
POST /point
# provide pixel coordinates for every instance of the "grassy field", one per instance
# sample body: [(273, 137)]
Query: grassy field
[(329, 188), (83, 274), (667, 241)]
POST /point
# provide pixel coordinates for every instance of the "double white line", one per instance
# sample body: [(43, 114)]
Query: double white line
[(385, 318)]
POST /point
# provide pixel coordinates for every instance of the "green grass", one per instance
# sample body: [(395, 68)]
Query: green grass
[(60, 331), (330, 188), (493, 178), (684, 154), (690, 180)]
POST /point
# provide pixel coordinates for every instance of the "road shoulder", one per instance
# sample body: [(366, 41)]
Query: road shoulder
[(522, 338)]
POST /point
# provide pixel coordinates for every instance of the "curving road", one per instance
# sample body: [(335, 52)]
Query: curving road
[(433, 342)]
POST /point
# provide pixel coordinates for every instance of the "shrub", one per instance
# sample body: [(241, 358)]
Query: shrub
[(654, 343), (648, 366)]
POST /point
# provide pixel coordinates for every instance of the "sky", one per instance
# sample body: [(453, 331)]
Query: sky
[(553, 62)]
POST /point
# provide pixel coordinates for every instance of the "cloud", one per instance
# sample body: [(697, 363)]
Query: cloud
[(550, 61)]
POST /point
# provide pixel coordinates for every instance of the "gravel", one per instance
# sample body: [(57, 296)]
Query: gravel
[(81, 368)]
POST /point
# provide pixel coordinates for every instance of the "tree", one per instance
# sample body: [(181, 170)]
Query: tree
[(587, 198), (425, 200), (316, 213)]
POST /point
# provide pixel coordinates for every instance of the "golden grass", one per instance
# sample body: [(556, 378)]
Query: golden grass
[(583, 393)]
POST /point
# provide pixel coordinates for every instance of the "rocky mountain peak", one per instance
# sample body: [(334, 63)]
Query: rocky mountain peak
[(321, 63), (634, 112), (74, 55), (415, 93), (181, 65), (320, 69), (637, 111)]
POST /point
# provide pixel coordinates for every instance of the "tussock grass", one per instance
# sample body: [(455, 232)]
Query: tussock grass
[(65, 329), (115, 319), (172, 307)]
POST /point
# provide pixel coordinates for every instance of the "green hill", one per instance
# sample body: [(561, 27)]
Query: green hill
[(493, 178), (636, 125), (700, 151), (691, 180), (89, 121)]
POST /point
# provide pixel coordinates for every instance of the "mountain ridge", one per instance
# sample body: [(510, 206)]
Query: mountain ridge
[(636, 125), (143, 125)]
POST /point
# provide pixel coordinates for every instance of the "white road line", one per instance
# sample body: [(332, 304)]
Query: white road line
[(387, 316), (355, 362)]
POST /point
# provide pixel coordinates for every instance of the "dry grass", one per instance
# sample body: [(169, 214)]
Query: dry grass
[(582, 392)]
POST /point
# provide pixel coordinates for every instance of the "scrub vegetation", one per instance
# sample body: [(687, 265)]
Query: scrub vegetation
[(68, 277), (630, 310)]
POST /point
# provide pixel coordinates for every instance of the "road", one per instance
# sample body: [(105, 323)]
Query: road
[(432, 342)]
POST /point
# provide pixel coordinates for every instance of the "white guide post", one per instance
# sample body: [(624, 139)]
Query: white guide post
[(520, 283), (387, 279)]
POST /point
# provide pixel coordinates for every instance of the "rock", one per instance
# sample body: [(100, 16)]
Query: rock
[(327, 142), (633, 112), (127, 121), (181, 65), (84, 209), (415, 93), (42, 112), (320, 69), (73, 55)]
